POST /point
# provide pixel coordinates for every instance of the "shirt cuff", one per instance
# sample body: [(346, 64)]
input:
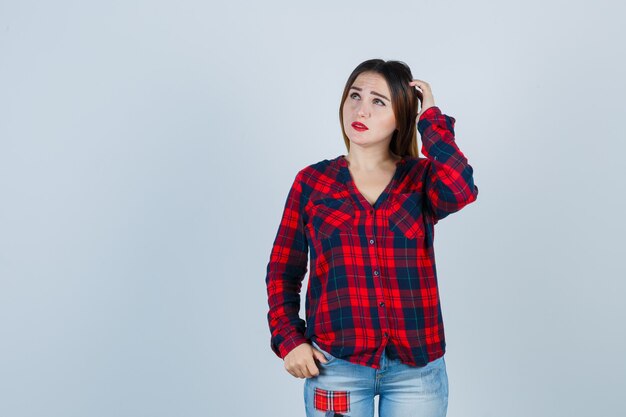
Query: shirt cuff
[(431, 111), (290, 344), (434, 117)]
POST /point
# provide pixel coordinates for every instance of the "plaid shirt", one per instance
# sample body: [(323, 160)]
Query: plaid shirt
[(372, 279)]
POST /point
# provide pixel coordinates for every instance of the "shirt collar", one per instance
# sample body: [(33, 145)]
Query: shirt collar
[(343, 174)]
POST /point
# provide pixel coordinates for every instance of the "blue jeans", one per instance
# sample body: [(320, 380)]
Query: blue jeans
[(343, 388)]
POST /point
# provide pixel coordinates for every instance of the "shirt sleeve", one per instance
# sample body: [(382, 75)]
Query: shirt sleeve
[(449, 182), (285, 272)]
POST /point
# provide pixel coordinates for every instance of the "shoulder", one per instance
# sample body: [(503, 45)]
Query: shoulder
[(414, 162), (315, 170), (414, 168)]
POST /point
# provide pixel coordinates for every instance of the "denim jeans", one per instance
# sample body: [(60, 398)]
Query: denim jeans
[(346, 389)]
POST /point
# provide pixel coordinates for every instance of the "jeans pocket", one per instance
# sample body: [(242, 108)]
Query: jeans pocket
[(329, 358), (435, 378)]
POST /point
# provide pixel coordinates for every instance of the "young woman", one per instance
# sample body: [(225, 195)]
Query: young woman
[(373, 317)]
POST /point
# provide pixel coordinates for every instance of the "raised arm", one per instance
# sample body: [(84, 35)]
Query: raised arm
[(449, 182)]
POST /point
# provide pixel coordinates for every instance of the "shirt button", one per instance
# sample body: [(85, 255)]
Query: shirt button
[(375, 272), (371, 241), (382, 304), (386, 334)]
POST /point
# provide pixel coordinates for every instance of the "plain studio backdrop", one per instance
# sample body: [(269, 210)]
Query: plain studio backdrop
[(146, 152)]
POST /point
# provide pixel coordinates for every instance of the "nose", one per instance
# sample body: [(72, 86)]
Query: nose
[(363, 110)]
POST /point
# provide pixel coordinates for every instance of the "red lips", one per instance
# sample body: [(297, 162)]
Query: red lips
[(359, 126)]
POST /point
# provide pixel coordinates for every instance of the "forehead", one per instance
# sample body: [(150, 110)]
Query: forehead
[(371, 81)]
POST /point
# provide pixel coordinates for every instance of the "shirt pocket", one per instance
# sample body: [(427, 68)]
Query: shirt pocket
[(332, 216), (407, 216)]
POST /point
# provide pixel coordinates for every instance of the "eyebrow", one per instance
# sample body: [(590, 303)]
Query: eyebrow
[(372, 92)]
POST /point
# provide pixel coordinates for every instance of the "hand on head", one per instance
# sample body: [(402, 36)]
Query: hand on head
[(425, 95)]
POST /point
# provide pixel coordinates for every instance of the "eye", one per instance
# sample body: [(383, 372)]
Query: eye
[(354, 94), (380, 101)]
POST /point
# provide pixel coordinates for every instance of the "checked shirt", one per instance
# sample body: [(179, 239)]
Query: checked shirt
[(372, 280)]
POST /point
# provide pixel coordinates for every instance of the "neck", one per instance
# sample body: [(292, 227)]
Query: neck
[(367, 160)]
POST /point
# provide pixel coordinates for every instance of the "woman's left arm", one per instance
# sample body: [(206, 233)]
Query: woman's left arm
[(449, 183)]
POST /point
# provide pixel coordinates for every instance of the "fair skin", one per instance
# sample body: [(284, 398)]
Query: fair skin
[(370, 161), (371, 165)]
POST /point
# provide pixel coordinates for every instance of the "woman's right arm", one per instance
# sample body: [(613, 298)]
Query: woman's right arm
[(285, 271)]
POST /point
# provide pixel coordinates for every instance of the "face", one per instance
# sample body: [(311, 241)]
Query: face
[(368, 117)]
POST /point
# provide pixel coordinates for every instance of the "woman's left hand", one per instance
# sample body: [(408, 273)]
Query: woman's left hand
[(425, 95)]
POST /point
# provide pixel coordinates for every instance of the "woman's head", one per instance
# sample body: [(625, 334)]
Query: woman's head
[(389, 112)]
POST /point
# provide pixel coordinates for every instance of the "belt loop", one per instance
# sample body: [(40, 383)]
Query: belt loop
[(383, 360)]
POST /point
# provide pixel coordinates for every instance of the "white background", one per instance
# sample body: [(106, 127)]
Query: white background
[(146, 151)]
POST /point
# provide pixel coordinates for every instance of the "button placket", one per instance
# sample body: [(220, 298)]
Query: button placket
[(370, 215), (378, 282)]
